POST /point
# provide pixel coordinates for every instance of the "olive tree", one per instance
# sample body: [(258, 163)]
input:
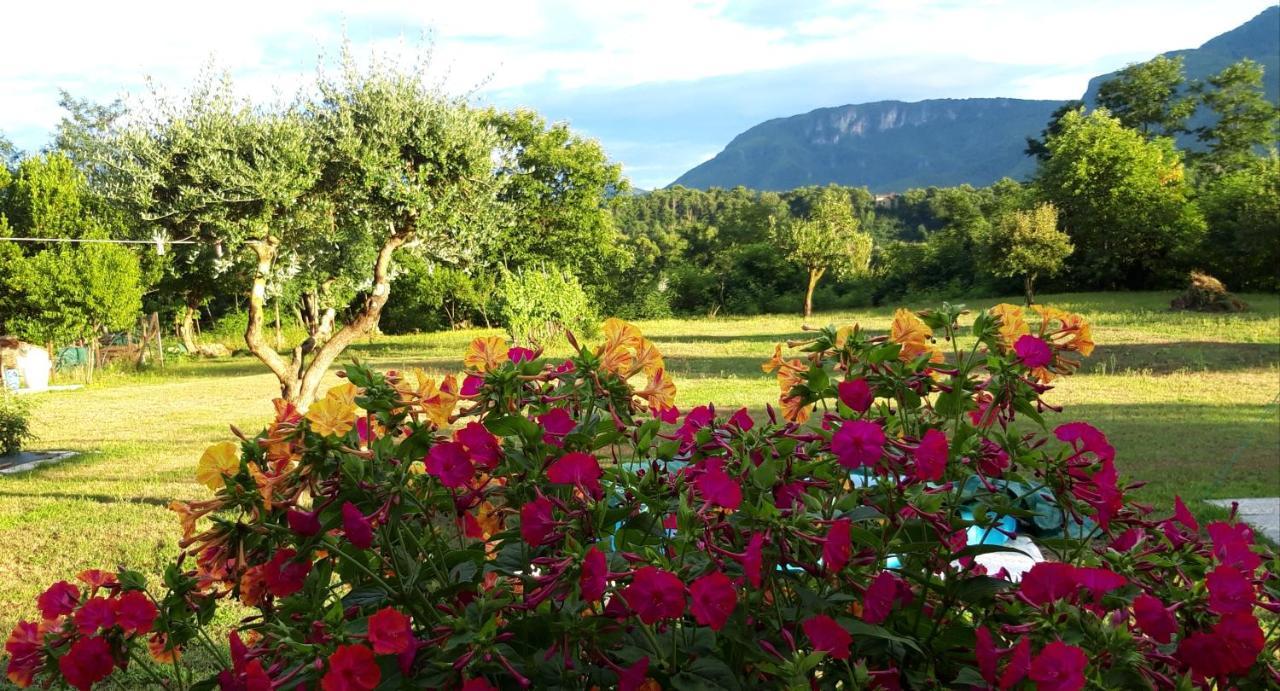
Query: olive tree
[(1028, 244), (828, 240)]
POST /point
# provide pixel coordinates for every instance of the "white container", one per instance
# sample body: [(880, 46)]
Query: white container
[(35, 366)]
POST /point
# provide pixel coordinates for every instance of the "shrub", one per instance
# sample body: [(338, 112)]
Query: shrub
[(538, 305), (228, 331), (566, 527), (15, 423)]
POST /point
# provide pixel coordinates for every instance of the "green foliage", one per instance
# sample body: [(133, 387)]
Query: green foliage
[(1028, 244), (1145, 96), (1123, 200), (15, 423), (1241, 208), (1246, 120), (828, 240), (431, 297), (540, 303)]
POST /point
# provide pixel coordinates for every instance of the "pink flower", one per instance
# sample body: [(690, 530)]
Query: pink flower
[(1033, 351), (594, 577), (856, 394), (713, 599), (1153, 619), (753, 558), (390, 632), (837, 547), (655, 595), (1059, 667), (303, 523), (1018, 665), (827, 636), (86, 663), (716, 486), (742, 420), (877, 601), (1183, 515), (96, 613), (1084, 437), (448, 462), (484, 449), (1230, 591), (858, 443), (518, 355), (1048, 581), (556, 425), (984, 650), (1233, 545), (632, 678), (356, 526), (1231, 647), (59, 599), (537, 522), (578, 469), (134, 612), (931, 456)]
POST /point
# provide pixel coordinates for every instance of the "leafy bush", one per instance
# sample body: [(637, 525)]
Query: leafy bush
[(538, 305), (430, 298), (566, 528), (229, 330), (15, 423)]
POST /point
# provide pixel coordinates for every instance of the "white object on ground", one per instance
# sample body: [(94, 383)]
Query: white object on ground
[(1263, 513), (34, 364), (1014, 563)]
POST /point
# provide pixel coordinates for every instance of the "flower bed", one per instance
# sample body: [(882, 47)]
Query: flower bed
[(545, 523)]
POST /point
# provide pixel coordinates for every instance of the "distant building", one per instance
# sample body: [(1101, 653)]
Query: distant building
[(887, 201)]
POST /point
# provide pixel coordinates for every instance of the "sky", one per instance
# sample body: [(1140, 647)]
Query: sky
[(663, 85)]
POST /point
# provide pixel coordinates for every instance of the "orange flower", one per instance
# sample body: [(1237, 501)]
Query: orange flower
[(267, 484), (96, 578), (253, 586), (915, 337), (661, 392), (774, 362), (335, 414), (617, 360), (221, 459), (438, 403), (843, 334), (1013, 324), (486, 353), (1078, 333), (794, 409), (789, 375), (158, 646), (647, 358), (488, 518), (620, 334)]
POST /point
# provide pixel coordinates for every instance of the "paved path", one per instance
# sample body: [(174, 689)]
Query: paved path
[(1262, 513)]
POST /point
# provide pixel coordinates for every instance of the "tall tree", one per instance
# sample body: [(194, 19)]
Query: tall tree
[(1038, 147), (1028, 244), (829, 240), (1124, 201), (1246, 121), (1242, 208), (1146, 97)]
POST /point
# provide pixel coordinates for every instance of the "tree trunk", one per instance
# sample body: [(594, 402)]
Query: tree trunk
[(186, 327), (814, 276), (290, 386), (1028, 287)]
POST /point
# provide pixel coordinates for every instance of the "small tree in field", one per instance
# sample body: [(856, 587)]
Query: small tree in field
[(828, 241), (1029, 244)]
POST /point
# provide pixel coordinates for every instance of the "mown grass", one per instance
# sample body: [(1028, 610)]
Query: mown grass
[(1189, 400)]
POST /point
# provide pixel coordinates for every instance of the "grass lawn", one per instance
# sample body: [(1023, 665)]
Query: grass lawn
[(1189, 400)]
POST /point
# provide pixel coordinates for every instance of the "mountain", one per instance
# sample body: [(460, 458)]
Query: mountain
[(892, 145)]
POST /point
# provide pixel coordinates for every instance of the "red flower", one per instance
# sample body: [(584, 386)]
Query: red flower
[(578, 469), (856, 394), (594, 576), (742, 420), (86, 663), (351, 668), (478, 684), (858, 443), (1047, 582), (1231, 647), (655, 594), (1085, 437), (984, 651), (827, 636), (24, 645), (992, 460), (1153, 619), (1059, 667), (96, 613), (837, 547), (536, 521), (713, 598), (356, 526), (390, 632), (303, 523), (1099, 581), (1233, 545), (556, 425), (931, 456), (1230, 592), (1182, 515), (61, 598), (753, 558), (449, 463), (632, 678), (135, 613), (1033, 351), (717, 487), (245, 674), (1018, 665), (484, 448), (877, 601), (285, 576)]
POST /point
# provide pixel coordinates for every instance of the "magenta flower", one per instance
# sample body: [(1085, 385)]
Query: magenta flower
[(713, 599), (856, 394), (1048, 581), (1233, 545), (537, 522), (1154, 619), (877, 601), (858, 443), (828, 636), (717, 487), (1059, 667), (1033, 351), (742, 420), (1084, 437), (449, 463), (1230, 592), (837, 547), (1099, 581), (578, 469), (1232, 646), (303, 523), (518, 355), (992, 460), (556, 425), (984, 650), (59, 599), (931, 456), (594, 576), (1018, 665), (632, 677), (655, 595), (752, 560), (484, 448), (356, 526), (471, 385), (695, 420)]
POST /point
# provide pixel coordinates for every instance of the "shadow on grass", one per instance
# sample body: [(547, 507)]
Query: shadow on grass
[(98, 498), (1165, 358)]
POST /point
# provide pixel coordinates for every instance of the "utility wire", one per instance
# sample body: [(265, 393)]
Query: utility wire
[(104, 241)]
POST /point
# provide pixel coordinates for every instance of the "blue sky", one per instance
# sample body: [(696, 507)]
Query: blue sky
[(663, 85)]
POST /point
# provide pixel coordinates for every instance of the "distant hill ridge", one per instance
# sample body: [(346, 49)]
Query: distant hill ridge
[(892, 145)]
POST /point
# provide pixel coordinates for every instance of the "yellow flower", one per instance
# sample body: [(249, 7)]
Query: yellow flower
[(332, 416), (913, 335), (620, 334), (794, 409), (843, 334), (661, 392), (1013, 324), (486, 354), (1079, 334), (647, 358), (218, 460), (438, 403), (344, 393), (617, 359)]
